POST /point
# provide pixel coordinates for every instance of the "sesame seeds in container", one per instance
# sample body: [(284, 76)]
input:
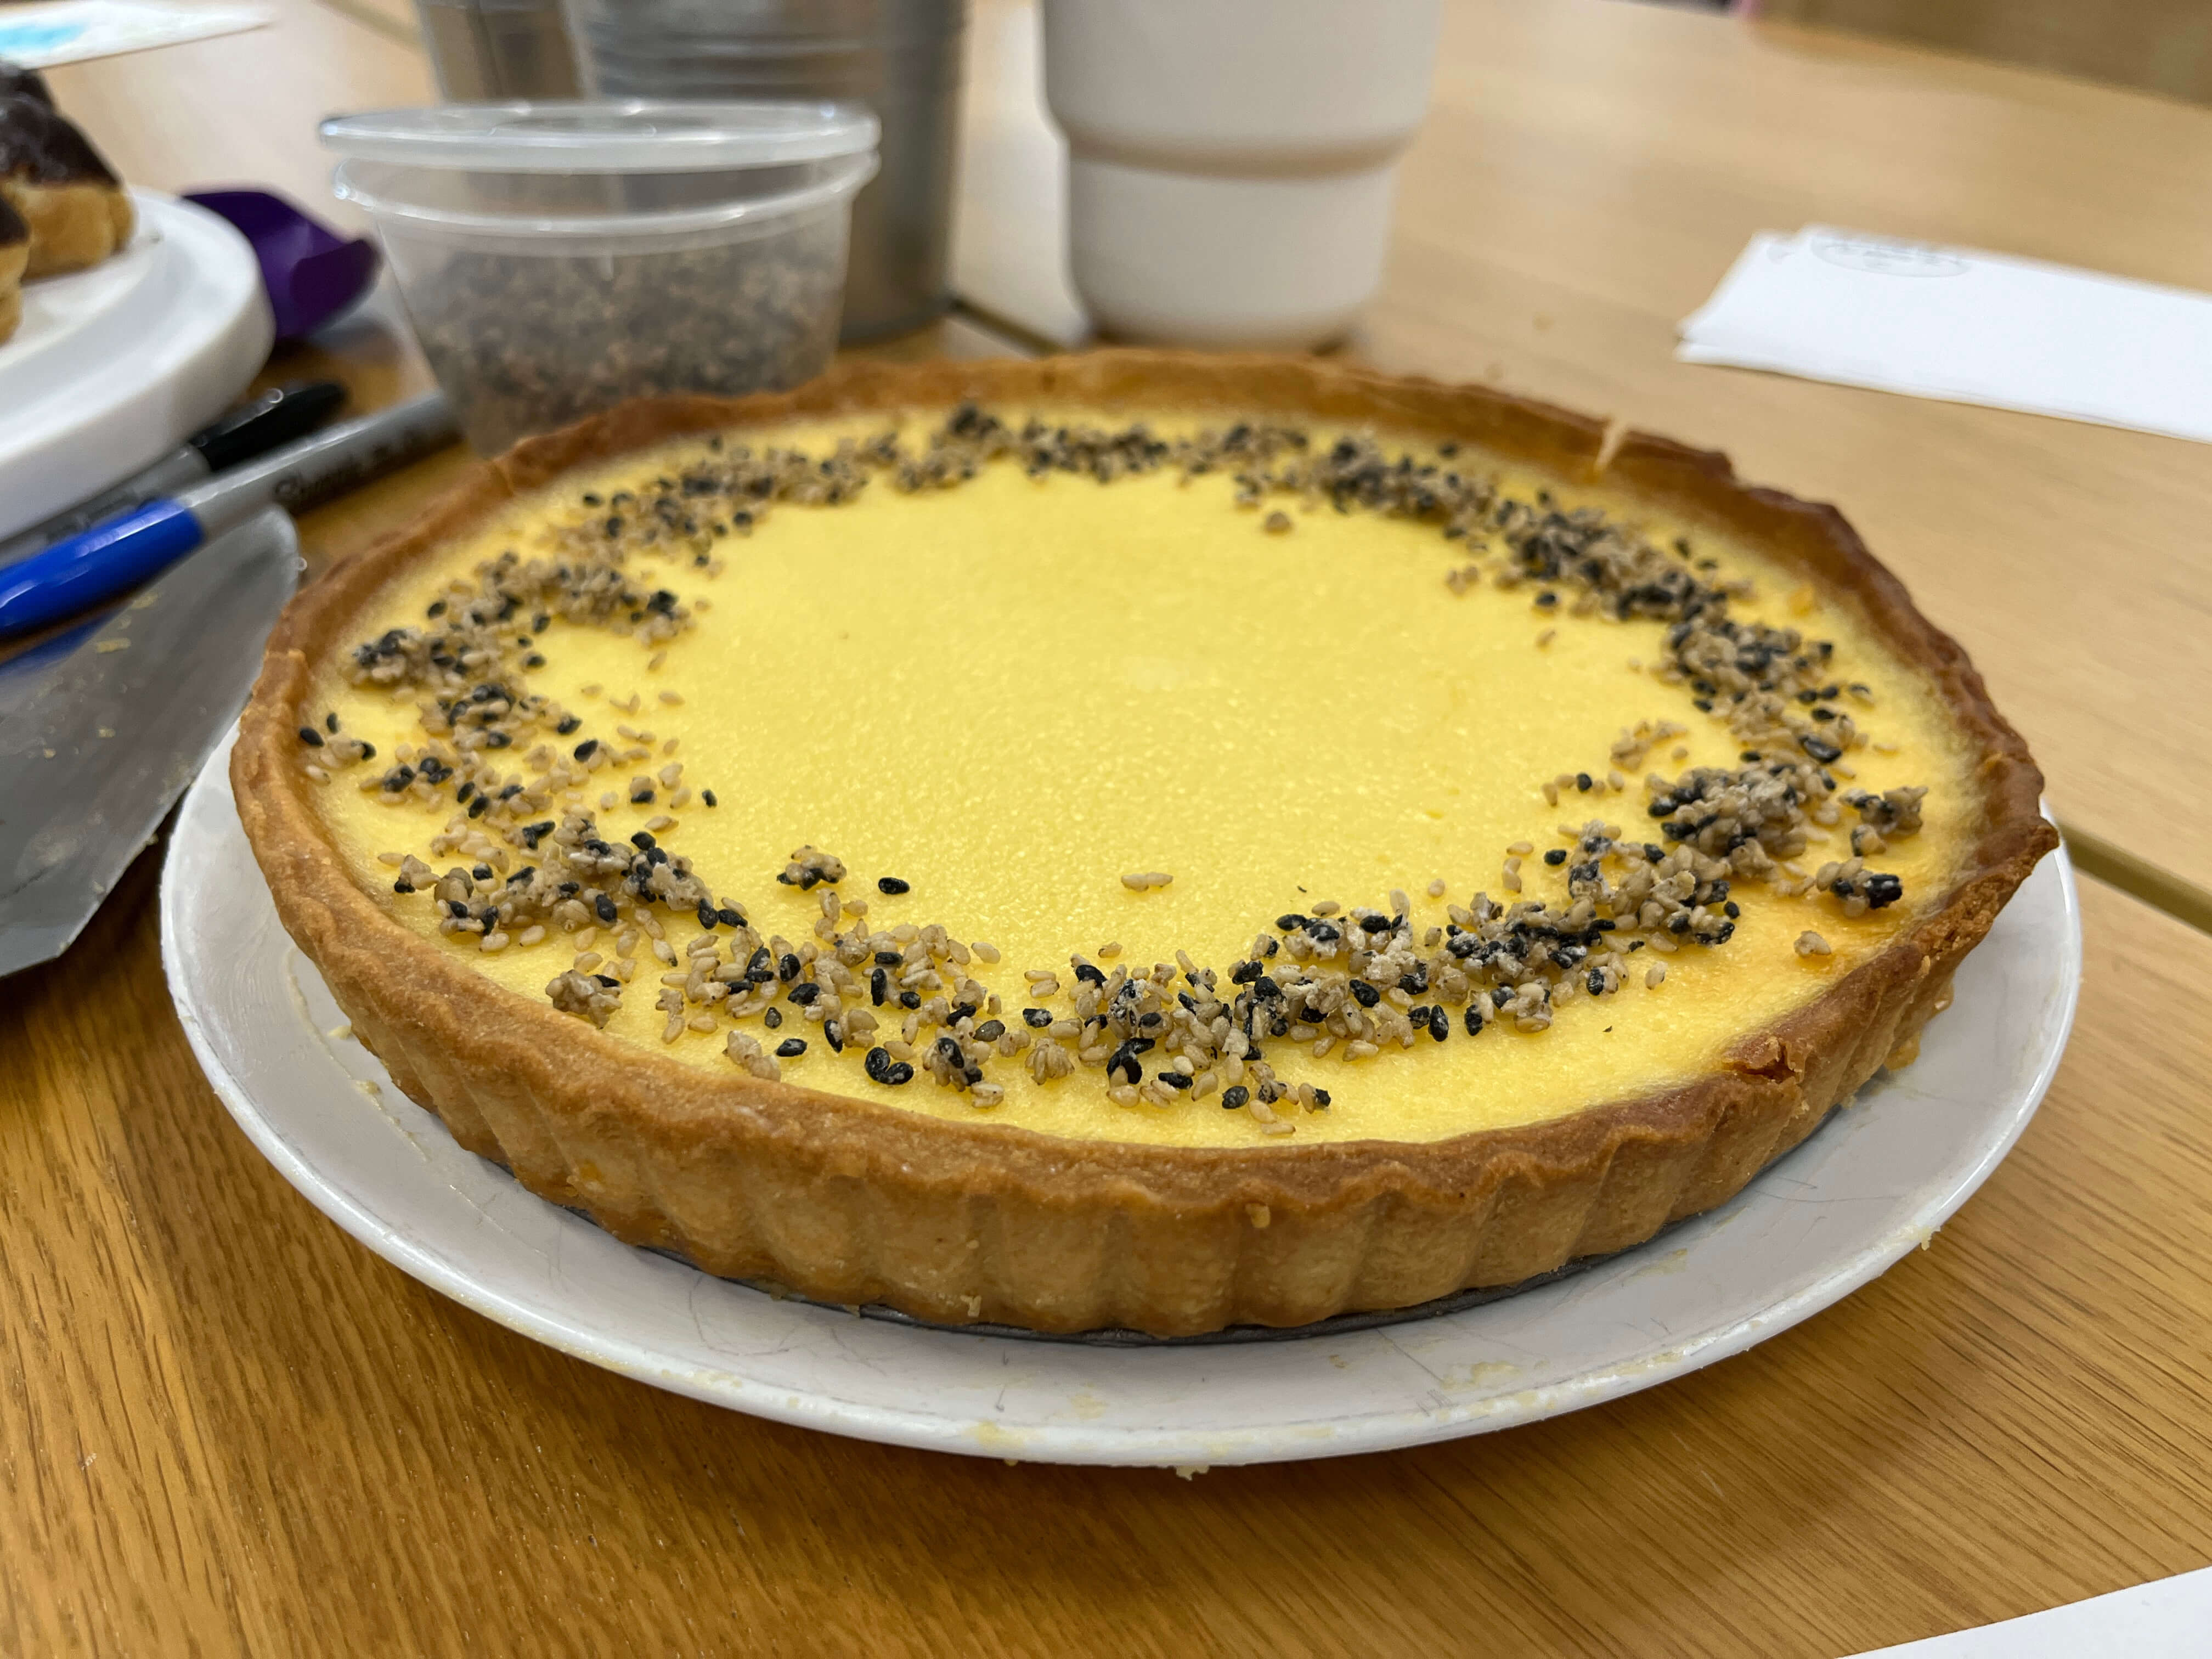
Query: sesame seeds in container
[(558, 257)]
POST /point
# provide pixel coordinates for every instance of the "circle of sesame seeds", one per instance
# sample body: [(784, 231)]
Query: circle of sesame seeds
[(1354, 984)]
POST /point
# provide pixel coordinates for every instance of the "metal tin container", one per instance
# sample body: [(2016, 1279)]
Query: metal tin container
[(488, 49), (902, 58)]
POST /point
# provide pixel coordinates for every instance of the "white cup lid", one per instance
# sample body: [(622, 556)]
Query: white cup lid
[(604, 135)]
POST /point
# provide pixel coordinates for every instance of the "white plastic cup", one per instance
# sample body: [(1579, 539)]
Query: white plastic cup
[(1232, 163)]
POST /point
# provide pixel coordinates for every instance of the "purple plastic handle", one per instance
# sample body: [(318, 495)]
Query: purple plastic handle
[(313, 274)]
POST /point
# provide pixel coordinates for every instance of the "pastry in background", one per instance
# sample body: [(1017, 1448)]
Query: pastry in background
[(17, 82), (15, 253), (76, 209)]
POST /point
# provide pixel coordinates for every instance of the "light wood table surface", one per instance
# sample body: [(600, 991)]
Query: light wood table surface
[(225, 1427)]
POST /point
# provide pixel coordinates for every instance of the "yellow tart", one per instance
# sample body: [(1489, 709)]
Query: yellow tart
[(1128, 841)]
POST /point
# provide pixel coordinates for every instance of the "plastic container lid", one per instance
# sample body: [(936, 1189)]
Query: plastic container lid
[(576, 135)]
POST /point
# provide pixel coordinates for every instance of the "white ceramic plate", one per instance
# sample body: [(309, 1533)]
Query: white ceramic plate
[(1878, 1179), (114, 366)]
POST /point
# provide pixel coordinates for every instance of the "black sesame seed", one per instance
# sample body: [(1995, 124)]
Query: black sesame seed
[(787, 967), (991, 1031), (1173, 1079), (890, 885), (403, 885), (707, 795), (642, 840), (1037, 1018), (730, 916), (1321, 1099), (606, 908), (330, 722), (1365, 994), (1090, 975), (1556, 857), (609, 980), (888, 959), (1376, 924), (1584, 781), (880, 986), (1124, 1059), (1439, 1024), (803, 992), (1474, 1019), (583, 750), (1234, 1098), (909, 999), (706, 917), (567, 724), (771, 1017), (641, 797), (311, 738), (791, 1048)]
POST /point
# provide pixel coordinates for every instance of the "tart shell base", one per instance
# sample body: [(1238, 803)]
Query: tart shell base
[(842, 1228), (848, 1201)]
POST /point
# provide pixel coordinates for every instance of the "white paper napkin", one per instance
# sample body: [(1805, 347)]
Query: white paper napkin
[(1964, 326), (2168, 1619)]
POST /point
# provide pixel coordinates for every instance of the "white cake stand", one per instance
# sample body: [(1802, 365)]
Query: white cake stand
[(112, 368)]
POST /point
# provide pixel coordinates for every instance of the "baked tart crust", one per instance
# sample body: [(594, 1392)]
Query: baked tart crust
[(849, 1200)]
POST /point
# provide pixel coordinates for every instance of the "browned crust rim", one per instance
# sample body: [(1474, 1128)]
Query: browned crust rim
[(847, 1199)]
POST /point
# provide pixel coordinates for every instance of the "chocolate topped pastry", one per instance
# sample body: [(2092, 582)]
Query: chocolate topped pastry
[(17, 82), (76, 209), (14, 251)]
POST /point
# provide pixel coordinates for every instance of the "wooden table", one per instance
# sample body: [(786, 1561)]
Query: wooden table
[(225, 1427)]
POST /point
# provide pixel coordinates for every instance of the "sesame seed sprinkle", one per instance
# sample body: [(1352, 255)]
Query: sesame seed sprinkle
[(1348, 987)]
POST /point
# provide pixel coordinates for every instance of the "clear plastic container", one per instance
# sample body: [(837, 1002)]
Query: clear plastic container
[(556, 259)]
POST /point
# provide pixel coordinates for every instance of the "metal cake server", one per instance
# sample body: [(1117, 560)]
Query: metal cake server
[(102, 727)]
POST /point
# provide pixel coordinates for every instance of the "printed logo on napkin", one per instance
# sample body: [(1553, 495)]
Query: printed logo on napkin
[(1878, 256), (74, 31)]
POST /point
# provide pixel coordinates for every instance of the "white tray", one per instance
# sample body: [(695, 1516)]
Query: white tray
[(113, 367), (1878, 1180)]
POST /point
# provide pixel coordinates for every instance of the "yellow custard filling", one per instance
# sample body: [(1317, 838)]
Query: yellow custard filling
[(1013, 693)]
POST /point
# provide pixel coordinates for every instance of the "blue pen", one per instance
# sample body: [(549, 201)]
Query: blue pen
[(123, 552)]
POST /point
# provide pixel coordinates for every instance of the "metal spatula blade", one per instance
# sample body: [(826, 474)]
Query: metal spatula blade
[(101, 730)]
